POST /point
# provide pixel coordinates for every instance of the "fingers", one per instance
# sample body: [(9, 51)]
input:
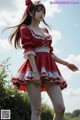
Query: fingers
[(74, 68), (37, 82), (36, 78)]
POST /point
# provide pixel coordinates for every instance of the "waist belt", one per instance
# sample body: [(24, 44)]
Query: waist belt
[(42, 49)]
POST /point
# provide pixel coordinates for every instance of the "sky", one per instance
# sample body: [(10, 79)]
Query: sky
[(64, 20)]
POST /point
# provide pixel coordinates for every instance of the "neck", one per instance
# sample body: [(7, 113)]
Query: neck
[(35, 23)]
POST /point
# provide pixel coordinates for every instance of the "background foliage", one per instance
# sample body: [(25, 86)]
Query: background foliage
[(18, 102)]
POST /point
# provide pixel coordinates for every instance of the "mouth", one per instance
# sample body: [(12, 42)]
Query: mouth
[(41, 17)]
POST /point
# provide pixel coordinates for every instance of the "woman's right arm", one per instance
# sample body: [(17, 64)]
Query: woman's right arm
[(34, 68), (28, 46), (32, 62), (29, 52)]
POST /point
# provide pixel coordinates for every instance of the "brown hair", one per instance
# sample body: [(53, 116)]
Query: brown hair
[(26, 19)]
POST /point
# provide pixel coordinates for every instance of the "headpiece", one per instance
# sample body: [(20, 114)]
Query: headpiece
[(28, 3)]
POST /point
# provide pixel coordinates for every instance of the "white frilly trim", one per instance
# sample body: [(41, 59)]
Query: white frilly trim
[(30, 52), (49, 37), (29, 73), (37, 49), (41, 37)]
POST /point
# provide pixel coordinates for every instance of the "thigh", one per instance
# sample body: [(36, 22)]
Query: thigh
[(55, 94), (34, 93)]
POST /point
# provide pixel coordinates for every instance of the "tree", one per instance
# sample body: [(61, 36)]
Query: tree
[(3, 75), (18, 102), (47, 112), (75, 113)]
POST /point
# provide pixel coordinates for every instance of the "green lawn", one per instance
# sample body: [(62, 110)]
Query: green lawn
[(68, 117)]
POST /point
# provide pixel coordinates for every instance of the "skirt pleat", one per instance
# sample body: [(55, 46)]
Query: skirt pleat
[(47, 68)]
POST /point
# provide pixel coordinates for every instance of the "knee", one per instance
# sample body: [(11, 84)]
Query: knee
[(36, 110), (60, 109)]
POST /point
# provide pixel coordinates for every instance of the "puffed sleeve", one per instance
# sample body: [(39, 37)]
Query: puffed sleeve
[(26, 41)]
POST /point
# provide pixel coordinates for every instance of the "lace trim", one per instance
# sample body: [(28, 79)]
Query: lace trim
[(29, 53), (49, 37)]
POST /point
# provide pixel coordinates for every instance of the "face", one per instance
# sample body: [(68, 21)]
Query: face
[(39, 15)]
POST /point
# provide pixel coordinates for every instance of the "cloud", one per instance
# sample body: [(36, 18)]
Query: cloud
[(2, 23), (9, 7), (71, 99), (51, 10), (56, 36), (72, 92), (6, 17), (4, 45), (73, 58), (76, 25), (12, 11), (68, 74), (56, 51)]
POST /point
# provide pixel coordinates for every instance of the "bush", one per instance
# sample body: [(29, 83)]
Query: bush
[(18, 102), (75, 113)]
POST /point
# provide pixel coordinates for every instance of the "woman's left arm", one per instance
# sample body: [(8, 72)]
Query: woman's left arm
[(63, 62), (69, 65)]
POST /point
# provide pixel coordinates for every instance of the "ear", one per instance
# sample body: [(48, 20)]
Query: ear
[(31, 14)]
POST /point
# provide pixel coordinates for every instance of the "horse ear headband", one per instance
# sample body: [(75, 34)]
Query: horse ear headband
[(28, 3)]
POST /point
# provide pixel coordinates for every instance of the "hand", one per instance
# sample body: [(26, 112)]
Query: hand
[(36, 80), (72, 67)]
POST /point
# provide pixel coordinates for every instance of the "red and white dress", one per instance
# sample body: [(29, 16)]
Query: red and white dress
[(33, 44)]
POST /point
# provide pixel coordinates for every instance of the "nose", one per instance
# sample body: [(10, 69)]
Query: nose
[(42, 13)]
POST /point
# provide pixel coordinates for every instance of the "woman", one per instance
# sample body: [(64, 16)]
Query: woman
[(39, 72)]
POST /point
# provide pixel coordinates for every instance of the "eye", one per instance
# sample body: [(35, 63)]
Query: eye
[(43, 12), (40, 11)]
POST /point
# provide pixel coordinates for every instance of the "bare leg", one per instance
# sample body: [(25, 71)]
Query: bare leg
[(54, 92), (34, 93)]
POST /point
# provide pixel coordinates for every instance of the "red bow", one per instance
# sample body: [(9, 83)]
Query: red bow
[(28, 3)]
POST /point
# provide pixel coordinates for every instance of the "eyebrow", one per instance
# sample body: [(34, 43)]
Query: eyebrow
[(41, 9)]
